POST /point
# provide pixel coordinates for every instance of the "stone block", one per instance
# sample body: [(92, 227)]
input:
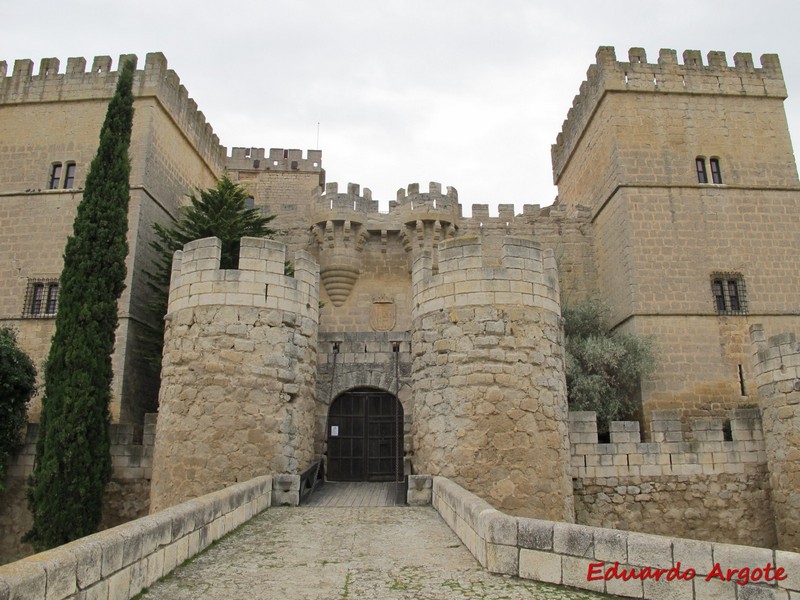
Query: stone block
[(497, 527), (790, 561), (420, 490), (286, 490), (611, 545), (692, 554), (713, 589), (540, 566), (112, 545), (753, 591), (730, 556), (668, 590), (119, 585), (502, 559), (649, 550), (88, 556), (535, 534), (574, 572), (27, 579), (574, 540), (633, 588)]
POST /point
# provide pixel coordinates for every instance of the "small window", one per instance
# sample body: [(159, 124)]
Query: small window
[(702, 174), (69, 176), (249, 202), (716, 174), (41, 298), (55, 176), (728, 292)]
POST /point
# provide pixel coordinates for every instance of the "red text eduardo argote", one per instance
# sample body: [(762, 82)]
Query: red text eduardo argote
[(768, 573)]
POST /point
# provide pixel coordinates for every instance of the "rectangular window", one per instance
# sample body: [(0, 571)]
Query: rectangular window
[(719, 296), (41, 299), (69, 177), (716, 174), (728, 292), (55, 176), (700, 164), (733, 294)]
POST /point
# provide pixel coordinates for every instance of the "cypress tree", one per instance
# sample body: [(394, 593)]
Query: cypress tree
[(73, 461)]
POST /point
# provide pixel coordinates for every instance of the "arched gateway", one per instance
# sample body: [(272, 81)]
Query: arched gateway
[(365, 436)]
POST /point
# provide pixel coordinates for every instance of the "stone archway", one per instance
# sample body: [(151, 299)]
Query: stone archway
[(365, 436)]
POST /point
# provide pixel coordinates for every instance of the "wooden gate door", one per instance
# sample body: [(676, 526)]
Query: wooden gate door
[(365, 437)]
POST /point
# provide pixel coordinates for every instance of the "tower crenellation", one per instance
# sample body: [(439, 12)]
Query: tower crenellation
[(279, 159), (99, 82), (667, 75)]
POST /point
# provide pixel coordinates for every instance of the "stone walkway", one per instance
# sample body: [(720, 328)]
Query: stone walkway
[(345, 553)]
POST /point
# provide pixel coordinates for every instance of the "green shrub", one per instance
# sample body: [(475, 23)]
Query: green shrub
[(17, 385)]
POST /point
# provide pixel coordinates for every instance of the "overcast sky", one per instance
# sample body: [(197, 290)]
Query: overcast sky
[(464, 92)]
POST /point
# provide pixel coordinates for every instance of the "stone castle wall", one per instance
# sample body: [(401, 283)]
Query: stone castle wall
[(127, 495), (239, 370), (710, 483), (776, 362), (490, 405)]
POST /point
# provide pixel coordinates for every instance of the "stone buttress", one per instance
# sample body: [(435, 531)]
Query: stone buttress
[(490, 406), (239, 370)]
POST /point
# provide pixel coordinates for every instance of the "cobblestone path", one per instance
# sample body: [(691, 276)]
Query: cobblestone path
[(338, 553)]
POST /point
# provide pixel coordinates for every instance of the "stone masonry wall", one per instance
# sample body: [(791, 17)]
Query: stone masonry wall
[(710, 484), (776, 363), (127, 495), (488, 376), (239, 370)]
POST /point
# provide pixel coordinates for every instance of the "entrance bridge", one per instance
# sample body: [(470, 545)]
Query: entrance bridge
[(448, 543)]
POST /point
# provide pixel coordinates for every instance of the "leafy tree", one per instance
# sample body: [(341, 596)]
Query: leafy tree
[(17, 384), (604, 369), (220, 212), (73, 463)]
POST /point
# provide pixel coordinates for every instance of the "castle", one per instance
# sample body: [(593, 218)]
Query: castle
[(419, 340)]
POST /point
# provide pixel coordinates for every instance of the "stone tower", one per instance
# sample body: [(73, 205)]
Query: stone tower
[(690, 176), (776, 365), (490, 408), (239, 370)]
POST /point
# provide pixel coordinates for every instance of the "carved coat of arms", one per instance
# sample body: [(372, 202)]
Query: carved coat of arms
[(384, 314)]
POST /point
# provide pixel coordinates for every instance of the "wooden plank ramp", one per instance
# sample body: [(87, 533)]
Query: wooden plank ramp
[(358, 493)]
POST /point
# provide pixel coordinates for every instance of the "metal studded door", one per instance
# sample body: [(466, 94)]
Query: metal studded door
[(365, 437)]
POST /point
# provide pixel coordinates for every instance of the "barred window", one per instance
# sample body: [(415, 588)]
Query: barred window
[(41, 299), (728, 292)]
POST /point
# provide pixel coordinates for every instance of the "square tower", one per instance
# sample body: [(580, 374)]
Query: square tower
[(691, 177)]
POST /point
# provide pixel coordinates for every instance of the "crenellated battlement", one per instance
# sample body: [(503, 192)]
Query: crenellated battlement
[(716, 447), (278, 159), (527, 277), (48, 84), (259, 281), (331, 204), (715, 77)]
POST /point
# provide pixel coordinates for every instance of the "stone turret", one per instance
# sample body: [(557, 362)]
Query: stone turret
[(490, 407), (239, 370)]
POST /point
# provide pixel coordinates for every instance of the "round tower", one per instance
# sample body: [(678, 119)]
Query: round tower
[(239, 370), (490, 406), (776, 363)]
